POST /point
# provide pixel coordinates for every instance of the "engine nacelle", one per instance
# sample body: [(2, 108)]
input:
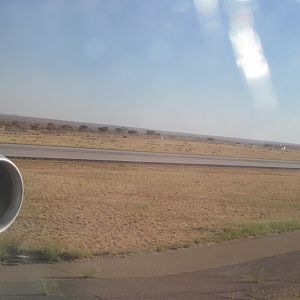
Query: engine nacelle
[(11, 192)]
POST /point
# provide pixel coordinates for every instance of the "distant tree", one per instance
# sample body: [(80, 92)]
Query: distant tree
[(150, 132), (268, 145), (2, 125), (119, 130), (23, 126), (35, 126), (210, 139), (132, 131), (102, 129), (66, 127), (50, 126), (6, 125), (83, 128), (16, 124)]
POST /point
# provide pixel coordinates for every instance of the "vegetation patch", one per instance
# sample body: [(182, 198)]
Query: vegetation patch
[(253, 229), (13, 251), (236, 231)]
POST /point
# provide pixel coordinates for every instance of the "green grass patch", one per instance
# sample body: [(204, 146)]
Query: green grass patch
[(12, 250), (52, 252), (236, 231), (8, 247), (253, 229)]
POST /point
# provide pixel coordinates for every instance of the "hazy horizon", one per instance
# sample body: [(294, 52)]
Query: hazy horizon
[(223, 68), (183, 133)]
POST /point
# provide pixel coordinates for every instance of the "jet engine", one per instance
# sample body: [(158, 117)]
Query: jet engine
[(11, 192)]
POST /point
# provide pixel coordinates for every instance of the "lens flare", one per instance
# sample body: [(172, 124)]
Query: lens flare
[(208, 13), (206, 7), (246, 45), (250, 56)]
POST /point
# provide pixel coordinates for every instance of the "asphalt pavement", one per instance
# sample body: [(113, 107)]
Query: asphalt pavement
[(257, 268), (85, 154)]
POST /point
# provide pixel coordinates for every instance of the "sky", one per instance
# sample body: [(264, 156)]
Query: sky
[(215, 67)]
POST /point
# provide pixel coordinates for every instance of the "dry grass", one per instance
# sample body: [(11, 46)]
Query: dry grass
[(147, 143), (121, 208)]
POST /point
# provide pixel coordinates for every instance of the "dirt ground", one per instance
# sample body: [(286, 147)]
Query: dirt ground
[(149, 143), (120, 208)]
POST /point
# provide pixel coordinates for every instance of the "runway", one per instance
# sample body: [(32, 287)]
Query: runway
[(85, 154)]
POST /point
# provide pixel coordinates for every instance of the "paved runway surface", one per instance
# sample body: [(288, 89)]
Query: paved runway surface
[(274, 278), (260, 268), (28, 151)]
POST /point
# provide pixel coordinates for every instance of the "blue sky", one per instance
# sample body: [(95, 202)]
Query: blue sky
[(203, 66)]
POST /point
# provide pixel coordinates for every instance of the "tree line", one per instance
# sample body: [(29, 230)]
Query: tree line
[(50, 127)]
